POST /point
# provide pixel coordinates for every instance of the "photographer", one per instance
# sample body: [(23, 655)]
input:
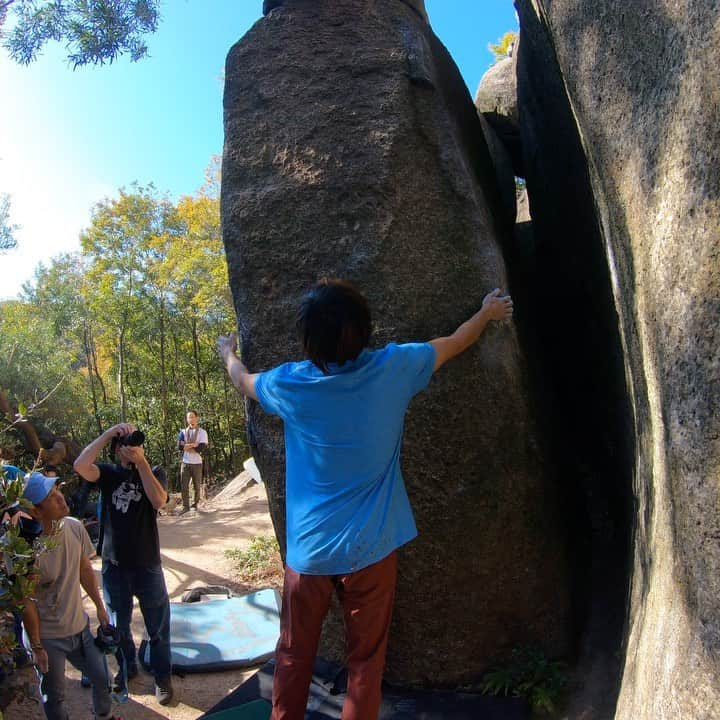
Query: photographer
[(54, 619), (132, 493)]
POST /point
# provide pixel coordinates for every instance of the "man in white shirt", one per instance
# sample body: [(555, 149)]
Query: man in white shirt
[(192, 441)]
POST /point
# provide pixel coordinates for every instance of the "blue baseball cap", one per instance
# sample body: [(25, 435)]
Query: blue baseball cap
[(37, 487)]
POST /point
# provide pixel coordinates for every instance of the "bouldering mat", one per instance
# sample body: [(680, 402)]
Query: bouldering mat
[(222, 634), (326, 699)]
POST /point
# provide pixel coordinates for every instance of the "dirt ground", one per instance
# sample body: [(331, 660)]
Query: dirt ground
[(192, 548)]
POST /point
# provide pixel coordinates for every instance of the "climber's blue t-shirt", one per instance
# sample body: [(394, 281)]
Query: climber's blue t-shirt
[(345, 497)]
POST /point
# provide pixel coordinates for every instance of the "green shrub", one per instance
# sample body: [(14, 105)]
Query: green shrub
[(258, 556), (529, 674), (17, 582)]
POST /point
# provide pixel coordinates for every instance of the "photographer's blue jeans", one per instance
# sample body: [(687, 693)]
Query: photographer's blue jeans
[(120, 584), (80, 650)]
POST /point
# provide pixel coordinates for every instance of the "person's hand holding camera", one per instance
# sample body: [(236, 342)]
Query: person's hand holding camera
[(102, 615), (134, 454), (14, 517), (27, 526), (119, 430)]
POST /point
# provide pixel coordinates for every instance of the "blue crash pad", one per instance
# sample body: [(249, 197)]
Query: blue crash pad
[(222, 634)]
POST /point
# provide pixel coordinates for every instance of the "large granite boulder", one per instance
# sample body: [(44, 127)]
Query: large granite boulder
[(630, 91), (496, 99), (497, 92), (353, 148), (504, 174), (417, 5)]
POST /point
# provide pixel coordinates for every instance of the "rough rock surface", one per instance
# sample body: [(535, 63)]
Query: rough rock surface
[(497, 91), (417, 5), (496, 99), (642, 83), (353, 148), (504, 174)]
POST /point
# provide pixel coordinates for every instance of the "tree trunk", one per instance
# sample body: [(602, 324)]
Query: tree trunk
[(163, 385), (95, 369), (121, 375), (32, 441), (227, 419), (196, 355), (89, 359)]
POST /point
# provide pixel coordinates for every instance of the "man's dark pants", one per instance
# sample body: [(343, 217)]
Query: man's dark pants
[(120, 584)]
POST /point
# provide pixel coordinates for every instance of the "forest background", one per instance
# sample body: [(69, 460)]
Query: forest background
[(125, 329)]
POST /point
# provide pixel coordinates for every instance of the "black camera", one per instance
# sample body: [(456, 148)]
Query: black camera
[(29, 529), (107, 639), (133, 439)]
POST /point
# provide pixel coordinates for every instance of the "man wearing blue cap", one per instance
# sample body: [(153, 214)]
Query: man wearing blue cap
[(57, 625)]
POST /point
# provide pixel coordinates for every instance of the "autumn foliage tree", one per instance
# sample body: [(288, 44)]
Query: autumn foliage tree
[(127, 327), (503, 47)]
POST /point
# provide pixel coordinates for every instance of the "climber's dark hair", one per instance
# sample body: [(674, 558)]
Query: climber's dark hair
[(333, 323)]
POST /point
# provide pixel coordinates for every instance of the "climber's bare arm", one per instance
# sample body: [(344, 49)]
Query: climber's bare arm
[(494, 307), (243, 380)]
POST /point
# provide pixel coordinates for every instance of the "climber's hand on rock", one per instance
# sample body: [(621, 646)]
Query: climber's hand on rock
[(498, 307)]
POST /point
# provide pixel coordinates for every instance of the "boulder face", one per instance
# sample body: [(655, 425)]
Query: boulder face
[(417, 5), (504, 173), (633, 76), (559, 261), (352, 148), (497, 91), (496, 99)]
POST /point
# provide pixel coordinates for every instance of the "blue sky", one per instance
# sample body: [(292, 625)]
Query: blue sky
[(71, 138)]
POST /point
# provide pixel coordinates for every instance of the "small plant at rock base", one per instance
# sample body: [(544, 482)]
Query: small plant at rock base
[(530, 675), (262, 553)]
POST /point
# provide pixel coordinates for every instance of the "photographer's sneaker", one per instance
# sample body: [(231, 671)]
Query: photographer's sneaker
[(164, 690)]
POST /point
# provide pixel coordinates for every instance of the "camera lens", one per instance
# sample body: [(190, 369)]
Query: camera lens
[(135, 439)]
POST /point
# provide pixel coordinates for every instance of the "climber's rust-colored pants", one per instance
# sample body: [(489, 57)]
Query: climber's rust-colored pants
[(367, 598)]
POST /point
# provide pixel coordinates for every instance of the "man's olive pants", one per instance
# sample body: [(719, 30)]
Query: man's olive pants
[(188, 471)]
